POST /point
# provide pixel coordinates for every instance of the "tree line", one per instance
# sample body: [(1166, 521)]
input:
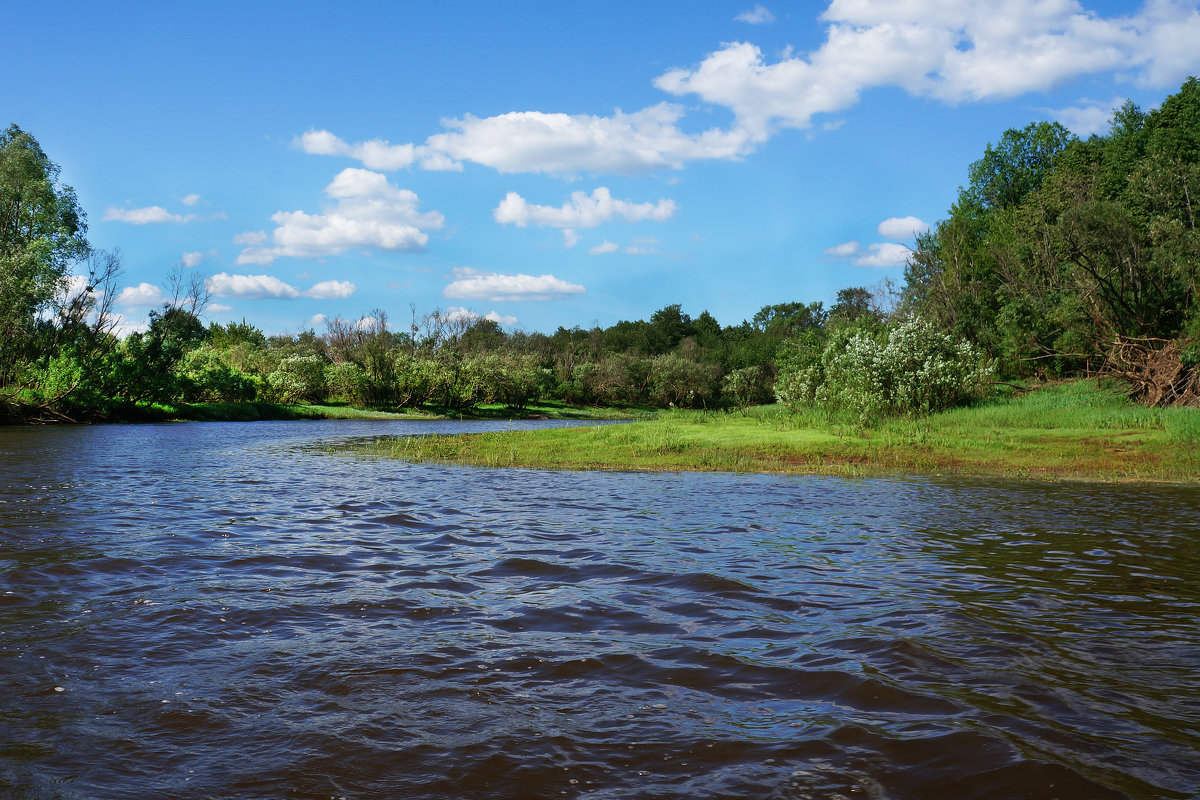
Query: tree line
[(1061, 256), (1060, 252)]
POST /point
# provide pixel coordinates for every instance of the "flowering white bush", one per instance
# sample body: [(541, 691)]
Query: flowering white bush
[(911, 368), (297, 379)]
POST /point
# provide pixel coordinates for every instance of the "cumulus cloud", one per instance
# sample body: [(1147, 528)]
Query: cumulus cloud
[(565, 144), (570, 237), (368, 212), (251, 287), (951, 51), (217, 308), (377, 154), (883, 254), (330, 290), (258, 287), (604, 247), (190, 199), (123, 325), (374, 154), (501, 319), (581, 211), (150, 215), (1088, 116), (472, 284), (901, 228), (194, 258), (72, 289), (843, 250), (144, 294), (455, 313), (948, 50), (756, 16)]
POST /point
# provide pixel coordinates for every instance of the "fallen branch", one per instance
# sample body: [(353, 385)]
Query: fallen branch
[(1153, 371)]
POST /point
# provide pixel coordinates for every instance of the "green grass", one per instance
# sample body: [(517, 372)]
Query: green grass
[(253, 411), (1071, 430)]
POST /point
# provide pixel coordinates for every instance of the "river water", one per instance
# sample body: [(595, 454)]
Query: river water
[(231, 610)]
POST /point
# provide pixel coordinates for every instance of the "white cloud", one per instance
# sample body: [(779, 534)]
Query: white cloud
[(472, 284), (257, 287), (331, 290), (844, 250), (456, 313), (193, 258), (217, 308), (570, 237), (144, 294), (251, 238), (756, 16), (317, 320), (190, 199), (884, 254), (501, 319), (944, 49), (564, 144), (251, 287), (901, 228), (950, 50), (604, 247), (144, 216), (581, 211), (123, 325), (1172, 30), (1088, 117), (72, 288), (368, 213), (374, 154)]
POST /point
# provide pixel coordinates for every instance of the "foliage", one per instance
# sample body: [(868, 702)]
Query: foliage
[(1060, 248), (1055, 252), (297, 379), (1074, 429), (42, 232), (748, 386), (871, 371)]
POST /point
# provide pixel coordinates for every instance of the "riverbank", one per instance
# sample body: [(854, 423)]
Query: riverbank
[(256, 412), (1075, 430)]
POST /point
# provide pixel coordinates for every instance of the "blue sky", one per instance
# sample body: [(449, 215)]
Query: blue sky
[(548, 164)]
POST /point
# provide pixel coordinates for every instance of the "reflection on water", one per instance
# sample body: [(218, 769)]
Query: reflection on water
[(229, 610)]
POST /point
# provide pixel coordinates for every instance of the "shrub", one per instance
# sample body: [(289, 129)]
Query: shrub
[(678, 381), (748, 386), (297, 379), (205, 377), (909, 369), (347, 382)]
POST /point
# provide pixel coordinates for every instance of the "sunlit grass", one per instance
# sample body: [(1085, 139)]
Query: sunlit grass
[(254, 411), (1072, 430)]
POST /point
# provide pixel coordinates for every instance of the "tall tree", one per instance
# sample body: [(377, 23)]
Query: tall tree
[(42, 232)]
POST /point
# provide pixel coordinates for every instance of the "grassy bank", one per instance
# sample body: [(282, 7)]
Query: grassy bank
[(250, 412), (1072, 430)]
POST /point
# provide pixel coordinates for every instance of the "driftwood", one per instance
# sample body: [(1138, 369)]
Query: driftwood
[(1154, 371)]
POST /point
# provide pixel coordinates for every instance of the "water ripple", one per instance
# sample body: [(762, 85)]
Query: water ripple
[(234, 610)]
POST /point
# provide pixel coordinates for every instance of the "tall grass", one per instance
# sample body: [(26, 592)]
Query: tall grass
[(1072, 430)]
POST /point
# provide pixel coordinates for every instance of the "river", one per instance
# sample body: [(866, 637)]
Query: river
[(239, 610)]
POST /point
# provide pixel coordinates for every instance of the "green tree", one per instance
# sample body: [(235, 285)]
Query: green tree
[(42, 232), (1016, 165)]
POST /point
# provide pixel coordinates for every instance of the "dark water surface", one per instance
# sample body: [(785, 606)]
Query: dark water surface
[(229, 611)]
